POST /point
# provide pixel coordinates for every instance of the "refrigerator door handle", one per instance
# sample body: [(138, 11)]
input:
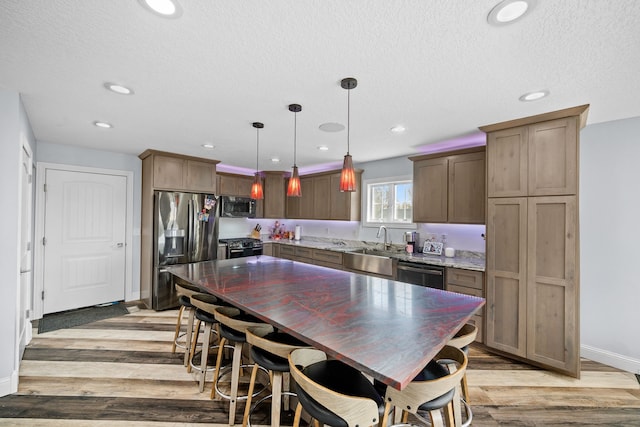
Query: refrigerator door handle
[(190, 230)]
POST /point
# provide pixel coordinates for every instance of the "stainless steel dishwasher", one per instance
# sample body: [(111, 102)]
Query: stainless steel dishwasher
[(431, 276)]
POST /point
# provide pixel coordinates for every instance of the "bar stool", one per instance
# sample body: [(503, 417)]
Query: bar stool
[(232, 327), (433, 389), (331, 392), (465, 336), (270, 349), (205, 305), (184, 292)]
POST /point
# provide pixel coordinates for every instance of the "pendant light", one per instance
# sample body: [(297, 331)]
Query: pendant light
[(348, 175), (294, 189), (256, 188)]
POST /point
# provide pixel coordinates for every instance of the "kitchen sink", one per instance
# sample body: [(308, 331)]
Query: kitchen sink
[(373, 261)]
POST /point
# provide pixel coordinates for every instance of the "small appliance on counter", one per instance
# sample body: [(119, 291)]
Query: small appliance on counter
[(411, 241)]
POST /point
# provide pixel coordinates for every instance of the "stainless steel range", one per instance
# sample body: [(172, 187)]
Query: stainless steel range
[(242, 247)]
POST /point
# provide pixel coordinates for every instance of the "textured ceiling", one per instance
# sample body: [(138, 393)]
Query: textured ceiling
[(435, 67)]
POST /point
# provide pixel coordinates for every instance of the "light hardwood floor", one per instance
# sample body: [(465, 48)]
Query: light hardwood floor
[(120, 372)]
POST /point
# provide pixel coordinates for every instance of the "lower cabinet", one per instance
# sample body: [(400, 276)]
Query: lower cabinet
[(469, 282), (323, 257), (532, 296)]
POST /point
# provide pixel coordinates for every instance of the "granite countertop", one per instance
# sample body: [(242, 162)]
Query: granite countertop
[(467, 260)]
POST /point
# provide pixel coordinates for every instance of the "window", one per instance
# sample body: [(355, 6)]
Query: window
[(389, 201)]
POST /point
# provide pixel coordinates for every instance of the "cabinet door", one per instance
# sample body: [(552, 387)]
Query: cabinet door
[(227, 185), (321, 202), (507, 162), (274, 195), (506, 275), (168, 173), (201, 176), (243, 187), (430, 190), (467, 188), (307, 198), (339, 201), (552, 297), (553, 157), (293, 204)]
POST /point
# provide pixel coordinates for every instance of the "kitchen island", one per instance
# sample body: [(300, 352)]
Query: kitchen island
[(387, 329)]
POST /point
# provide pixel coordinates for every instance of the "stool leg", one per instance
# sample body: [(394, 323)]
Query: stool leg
[(204, 355), (276, 398), (223, 341), (235, 378), (252, 383), (192, 314), (465, 389), (298, 414), (194, 344), (449, 416), (178, 324)]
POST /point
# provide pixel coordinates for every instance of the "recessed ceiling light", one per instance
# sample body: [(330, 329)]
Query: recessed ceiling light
[(398, 129), (508, 11), (275, 160), (164, 8), (208, 146), (331, 127), (323, 148), (103, 125), (534, 96), (122, 90)]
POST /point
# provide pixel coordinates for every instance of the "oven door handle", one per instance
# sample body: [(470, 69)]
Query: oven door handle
[(421, 270)]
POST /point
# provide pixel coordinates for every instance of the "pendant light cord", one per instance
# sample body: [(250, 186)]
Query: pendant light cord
[(348, 117), (257, 146), (295, 133)]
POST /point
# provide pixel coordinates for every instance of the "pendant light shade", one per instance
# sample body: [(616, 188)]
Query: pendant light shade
[(348, 175), (294, 189), (256, 188)]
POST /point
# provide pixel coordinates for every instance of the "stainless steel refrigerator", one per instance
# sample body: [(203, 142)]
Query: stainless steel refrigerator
[(185, 230)]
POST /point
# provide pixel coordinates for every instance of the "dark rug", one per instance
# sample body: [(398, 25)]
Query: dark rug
[(81, 316)]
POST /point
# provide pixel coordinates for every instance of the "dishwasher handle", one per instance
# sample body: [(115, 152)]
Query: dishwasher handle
[(438, 272)]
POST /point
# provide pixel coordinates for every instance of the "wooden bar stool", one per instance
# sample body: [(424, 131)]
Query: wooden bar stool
[(462, 339), (205, 305), (270, 350), (232, 328), (331, 392), (184, 292), (433, 389)]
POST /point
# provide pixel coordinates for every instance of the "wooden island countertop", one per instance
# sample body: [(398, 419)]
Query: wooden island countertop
[(387, 329)]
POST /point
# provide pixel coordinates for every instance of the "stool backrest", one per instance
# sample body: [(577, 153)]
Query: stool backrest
[(255, 336), (356, 411), (226, 316), (205, 302), (186, 290), (418, 392), (465, 336)]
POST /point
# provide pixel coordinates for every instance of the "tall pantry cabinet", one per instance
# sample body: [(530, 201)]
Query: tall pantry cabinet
[(532, 238)]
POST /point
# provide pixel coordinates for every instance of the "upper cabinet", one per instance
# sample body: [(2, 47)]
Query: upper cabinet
[(167, 171), (234, 185), (534, 160), (273, 204), (449, 187), (322, 199)]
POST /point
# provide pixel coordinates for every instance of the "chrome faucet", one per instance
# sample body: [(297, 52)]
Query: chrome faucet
[(386, 245)]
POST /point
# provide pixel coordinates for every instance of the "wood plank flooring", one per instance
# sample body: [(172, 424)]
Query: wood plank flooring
[(120, 372)]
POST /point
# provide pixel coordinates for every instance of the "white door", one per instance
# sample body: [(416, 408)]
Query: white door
[(84, 239)]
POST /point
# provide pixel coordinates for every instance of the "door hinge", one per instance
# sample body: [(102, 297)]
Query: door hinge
[(42, 295), (45, 188), (44, 241)]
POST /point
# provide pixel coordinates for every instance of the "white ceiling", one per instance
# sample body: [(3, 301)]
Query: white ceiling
[(435, 67)]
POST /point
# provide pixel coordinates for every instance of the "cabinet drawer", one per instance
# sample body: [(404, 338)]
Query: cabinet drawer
[(327, 256), (287, 251), (304, 252), (467, 278), (468, 291)]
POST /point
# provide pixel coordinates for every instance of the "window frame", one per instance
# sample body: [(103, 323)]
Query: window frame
[(365, 202)]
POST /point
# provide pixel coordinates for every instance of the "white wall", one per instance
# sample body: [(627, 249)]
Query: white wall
[(609, 239), (12, 122), (77, 156)]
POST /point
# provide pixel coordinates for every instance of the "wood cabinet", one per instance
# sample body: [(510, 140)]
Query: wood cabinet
[(234, 185), (450, 187), (322, 257), (468, 282), (532, 239), (172, 172), (273, 204), (181, 173), (322, 199)]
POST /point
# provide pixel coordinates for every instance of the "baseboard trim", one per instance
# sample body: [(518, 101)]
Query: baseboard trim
[(9, 385), (619, 361)]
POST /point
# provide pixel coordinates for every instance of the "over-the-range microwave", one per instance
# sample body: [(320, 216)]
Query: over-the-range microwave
[(237, 207)]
